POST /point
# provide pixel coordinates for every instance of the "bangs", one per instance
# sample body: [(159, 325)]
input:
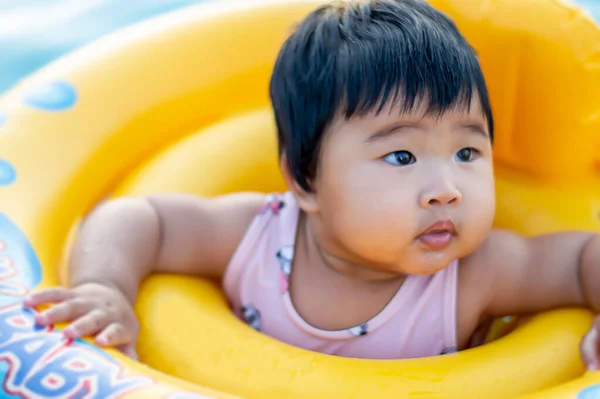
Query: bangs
[(405, 70)]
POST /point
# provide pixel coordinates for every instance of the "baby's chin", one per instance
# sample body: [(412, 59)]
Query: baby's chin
[(426, 269), (426, 263)]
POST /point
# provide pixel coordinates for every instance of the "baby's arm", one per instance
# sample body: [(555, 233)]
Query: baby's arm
[(511, 274), (124, 240)]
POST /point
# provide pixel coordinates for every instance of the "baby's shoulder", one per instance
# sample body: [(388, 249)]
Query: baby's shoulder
[(266, 213), (493, 250), (476, 286), (481, 271), (480, 266), (276, 203)]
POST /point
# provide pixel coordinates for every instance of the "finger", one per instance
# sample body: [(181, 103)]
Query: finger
[(66, 311), (50, 295), (128, 350), (589, 350), (88, 324), (595, 338), (113, 335)]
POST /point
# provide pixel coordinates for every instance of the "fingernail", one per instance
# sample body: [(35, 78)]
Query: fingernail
[(101, 341), (28, 302), (592, 367), (70, 332), (132, 354), (41, 319)]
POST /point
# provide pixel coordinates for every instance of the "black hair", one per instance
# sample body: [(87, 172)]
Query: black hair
[(352, 58)]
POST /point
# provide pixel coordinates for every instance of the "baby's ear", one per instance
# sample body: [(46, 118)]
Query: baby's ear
[(307, 200)]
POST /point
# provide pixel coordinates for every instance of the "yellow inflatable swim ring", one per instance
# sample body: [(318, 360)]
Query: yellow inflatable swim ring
[(180, 104)]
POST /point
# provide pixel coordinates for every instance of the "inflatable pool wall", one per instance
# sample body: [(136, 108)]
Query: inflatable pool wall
[(180, 103)]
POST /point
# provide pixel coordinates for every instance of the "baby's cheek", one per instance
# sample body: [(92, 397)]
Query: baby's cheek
[(380, 231), (478, 218)]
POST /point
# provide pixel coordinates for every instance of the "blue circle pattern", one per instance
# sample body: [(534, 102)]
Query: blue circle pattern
[(592, 392), (52, 96), (8, 174)]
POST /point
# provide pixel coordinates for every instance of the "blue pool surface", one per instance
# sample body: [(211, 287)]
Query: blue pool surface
[(593, 7), (35, 32)]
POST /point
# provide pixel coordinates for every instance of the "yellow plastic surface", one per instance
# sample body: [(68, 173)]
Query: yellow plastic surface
[(180, 104)]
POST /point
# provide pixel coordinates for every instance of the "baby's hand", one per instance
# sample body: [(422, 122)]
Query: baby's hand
[(92, 309), (590, 347)]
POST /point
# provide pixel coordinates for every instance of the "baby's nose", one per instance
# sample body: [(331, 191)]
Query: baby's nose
[(444, 194)]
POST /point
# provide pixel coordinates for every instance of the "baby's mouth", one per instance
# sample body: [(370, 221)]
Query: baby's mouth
[(439, 235)]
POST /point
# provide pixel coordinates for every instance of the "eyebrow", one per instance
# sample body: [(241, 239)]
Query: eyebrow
[(397, 128), (388, 131), (477, 128)]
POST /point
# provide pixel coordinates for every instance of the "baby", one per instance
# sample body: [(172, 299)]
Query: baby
[(383, 247)]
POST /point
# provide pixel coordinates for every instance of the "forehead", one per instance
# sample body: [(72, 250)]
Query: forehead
[(421, 112)]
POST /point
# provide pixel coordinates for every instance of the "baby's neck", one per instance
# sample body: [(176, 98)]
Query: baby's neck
[(354, 270), (331, 293)]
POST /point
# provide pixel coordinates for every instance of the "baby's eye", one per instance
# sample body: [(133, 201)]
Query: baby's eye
[(400, 158), (466, 155)]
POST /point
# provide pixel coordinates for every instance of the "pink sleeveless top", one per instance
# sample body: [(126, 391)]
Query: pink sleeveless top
[(419, 321)]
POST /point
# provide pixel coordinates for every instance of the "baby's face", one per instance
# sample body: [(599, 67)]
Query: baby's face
[(406, 194)]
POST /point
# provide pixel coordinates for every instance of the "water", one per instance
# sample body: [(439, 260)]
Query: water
[(593, 6), (35, 32)]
